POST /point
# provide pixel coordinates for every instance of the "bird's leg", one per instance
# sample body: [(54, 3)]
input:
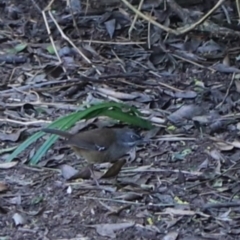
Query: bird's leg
[(93, 175)]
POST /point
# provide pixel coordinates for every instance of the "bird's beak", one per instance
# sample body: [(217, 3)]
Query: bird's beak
[(144, 140)]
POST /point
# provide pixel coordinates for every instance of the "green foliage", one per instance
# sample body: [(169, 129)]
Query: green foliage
[(51, 49), (118, 111), (18, 48)]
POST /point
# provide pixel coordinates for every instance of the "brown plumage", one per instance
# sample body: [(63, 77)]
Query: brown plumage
[(100, 145)]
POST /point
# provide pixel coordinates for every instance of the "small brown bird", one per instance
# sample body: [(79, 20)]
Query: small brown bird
[(100, 145)]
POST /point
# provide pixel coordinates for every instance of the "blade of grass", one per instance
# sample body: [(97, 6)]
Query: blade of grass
[(34, 138), (110, 109), (125, 117), (91, 112), (24, 145), (47, 144), (56, 123)]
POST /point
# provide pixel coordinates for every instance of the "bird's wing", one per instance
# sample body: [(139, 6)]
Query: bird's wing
[(93, 140), (84, 144)]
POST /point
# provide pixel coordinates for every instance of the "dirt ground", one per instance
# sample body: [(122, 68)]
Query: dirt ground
[(183, 184)]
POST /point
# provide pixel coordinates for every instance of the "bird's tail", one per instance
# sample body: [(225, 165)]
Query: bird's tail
[(57, 132)]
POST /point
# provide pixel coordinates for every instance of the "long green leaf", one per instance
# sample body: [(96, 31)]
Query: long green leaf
[(125, 117), (24, 145), (33, 139), (110, 109), (47, 144), (56, 123), (93, 111)]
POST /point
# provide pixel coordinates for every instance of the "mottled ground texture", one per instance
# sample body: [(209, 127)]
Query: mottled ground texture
[(184, 183)]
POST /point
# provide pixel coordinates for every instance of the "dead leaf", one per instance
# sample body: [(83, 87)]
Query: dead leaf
[(16, 200), (110, 26), (68, 172), (8, 165), (85, 173), (148, 227), (209, 47), (157, 120), (118, 95), (223, 146), (152, 133), (220, 67), (186, 95), (52, 161), (226, 60), (3, 187), (75, 6), (237, 84), (225, 216), (203, 165), (215, 154), (185, 112), (171, 236), (18, 219), (69, 190), (181, 212), (202, 119), (108, 230), (236, 144), (114, 169), (13, 137), (130, 196), (113, 210)]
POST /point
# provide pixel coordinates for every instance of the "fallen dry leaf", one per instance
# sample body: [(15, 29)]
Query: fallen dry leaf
[(114, 169), (7, 165), (68, 172), (18, 219), (171, 236), (3, 187), (108, 229)]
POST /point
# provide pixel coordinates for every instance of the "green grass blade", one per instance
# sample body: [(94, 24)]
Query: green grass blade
[(110, 109), (57, 123), (24, 145), (67, 122), (47, 144), (125, 117), (33, 139)]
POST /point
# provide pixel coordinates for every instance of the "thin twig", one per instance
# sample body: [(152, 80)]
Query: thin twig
[(149, 19), (227, 92), (184, 30), (6, 120), (194, 63), (72, 44), (50, 35), (135, 19)]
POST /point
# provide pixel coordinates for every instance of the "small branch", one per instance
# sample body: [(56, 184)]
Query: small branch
[(38, 122)]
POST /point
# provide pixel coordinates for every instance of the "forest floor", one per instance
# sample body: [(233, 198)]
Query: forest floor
[(184, 184)]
